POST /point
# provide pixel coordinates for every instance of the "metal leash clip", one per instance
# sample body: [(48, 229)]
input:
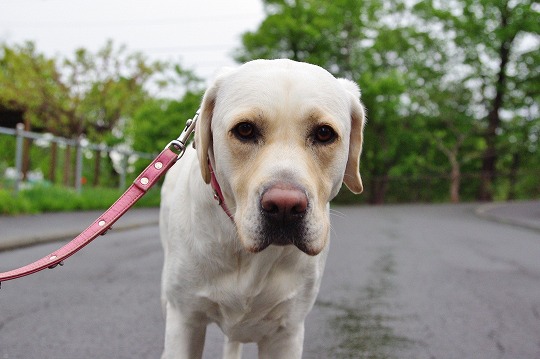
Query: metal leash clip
[(179, 145)]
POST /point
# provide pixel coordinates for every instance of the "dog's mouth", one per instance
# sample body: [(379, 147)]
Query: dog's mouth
[(283, 234), (284, 218), (270, 233)]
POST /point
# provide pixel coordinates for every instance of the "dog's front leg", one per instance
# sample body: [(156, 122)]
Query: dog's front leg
[(184, 337), (232, 349), (286, 343)]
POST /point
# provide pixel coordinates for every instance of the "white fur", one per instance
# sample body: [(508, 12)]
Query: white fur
[(211, 272)]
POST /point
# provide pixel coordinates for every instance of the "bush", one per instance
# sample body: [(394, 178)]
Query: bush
[(43, 198), (12, 205), (51, 198)]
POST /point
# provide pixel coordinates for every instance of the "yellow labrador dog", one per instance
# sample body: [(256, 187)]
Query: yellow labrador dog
[(277, 138)]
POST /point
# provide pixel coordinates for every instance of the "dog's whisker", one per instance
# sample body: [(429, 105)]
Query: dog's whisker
[(332, 229), (334, 212)]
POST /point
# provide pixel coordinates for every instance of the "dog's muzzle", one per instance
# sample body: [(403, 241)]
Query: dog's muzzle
[(283, 208)]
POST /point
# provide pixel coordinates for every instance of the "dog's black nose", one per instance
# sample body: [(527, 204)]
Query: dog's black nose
[(284, 202)]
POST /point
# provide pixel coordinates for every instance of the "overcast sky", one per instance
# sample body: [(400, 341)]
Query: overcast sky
[(200, 34)]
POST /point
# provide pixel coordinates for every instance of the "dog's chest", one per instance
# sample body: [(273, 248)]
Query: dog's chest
[(249, 319), (255, 300)]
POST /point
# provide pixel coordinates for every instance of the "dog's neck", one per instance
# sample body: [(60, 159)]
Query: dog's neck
[(218, 194)]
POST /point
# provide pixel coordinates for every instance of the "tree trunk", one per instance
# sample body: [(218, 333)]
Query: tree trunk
[(455, 181), (489, 161), (379, 186), (514, 167)]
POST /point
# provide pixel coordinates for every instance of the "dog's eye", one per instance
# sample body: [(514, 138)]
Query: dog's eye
[(324, 134), (245, 131)]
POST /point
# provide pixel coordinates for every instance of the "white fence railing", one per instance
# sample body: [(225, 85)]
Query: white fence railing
[(81, 144)]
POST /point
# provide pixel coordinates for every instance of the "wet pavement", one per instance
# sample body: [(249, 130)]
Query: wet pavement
[(432, 282)]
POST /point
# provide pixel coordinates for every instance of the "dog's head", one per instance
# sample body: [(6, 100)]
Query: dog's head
[(282, 137)]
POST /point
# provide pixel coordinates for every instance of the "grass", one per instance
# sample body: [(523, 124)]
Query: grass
[(41, 198)]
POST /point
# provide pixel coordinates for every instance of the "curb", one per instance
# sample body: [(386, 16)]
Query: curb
[(17, 243), (483, 211)]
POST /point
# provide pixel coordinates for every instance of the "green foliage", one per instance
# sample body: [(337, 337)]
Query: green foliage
[(105, 88), (12, 205), (30, 82), (495, 45), (43, 198), (7, 151), (432, 74), (90, 94), (159, 121)]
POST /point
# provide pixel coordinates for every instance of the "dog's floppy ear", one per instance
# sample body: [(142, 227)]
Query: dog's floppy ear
[(203, 130), (352, 178)]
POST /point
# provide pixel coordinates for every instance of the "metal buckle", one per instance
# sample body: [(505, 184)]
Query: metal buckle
[(217, 197), (179, 145)]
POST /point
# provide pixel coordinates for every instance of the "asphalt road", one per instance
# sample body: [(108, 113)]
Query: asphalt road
[(423, 281)]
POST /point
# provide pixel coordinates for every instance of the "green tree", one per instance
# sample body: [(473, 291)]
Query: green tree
[(437, 79), (105, 88), (357, 40), (88, 94), (31, 83), (489, 37), (159, 121)]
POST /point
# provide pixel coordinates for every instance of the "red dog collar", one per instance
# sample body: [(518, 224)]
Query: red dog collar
[(218, 194)]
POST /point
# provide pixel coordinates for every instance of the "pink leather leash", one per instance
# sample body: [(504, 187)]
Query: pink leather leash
[(143, 183), (163, 162)]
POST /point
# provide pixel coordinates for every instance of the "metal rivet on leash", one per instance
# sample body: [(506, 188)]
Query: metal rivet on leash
[(52, 258), (144, 181), (101, 224), (158, 165), (61, 264), (216, 197)]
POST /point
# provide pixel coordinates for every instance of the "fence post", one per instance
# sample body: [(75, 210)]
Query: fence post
[(54, 156), (97, 165), (18, 156), (79, 165), (67, 165), (123, 170)]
